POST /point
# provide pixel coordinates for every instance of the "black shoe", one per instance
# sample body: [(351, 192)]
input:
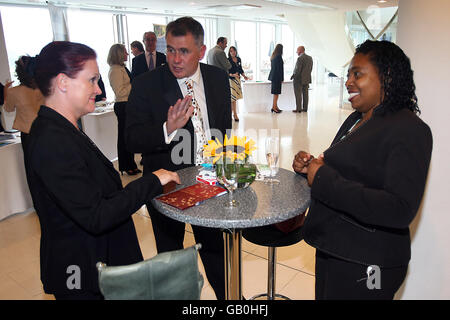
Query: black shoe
[(295, 111), (276, 111), (130, 172)]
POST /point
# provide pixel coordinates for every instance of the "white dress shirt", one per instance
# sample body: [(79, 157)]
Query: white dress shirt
[(199, 92)]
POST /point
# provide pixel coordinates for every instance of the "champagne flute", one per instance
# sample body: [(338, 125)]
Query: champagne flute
[(228, 176), (272, 156)]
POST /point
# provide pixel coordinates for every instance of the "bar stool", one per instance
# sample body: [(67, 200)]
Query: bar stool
[(269, 236)]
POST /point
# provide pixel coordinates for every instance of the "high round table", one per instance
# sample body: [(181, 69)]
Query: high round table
[(258, 205)]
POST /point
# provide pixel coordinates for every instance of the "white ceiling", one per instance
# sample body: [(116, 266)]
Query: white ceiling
[(244, 9)]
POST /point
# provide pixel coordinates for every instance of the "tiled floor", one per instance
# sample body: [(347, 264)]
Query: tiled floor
[(20, 233)]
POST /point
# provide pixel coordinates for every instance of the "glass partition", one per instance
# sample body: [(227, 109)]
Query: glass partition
[(375, 19), (245, 43), (289, 51), (266, 46)]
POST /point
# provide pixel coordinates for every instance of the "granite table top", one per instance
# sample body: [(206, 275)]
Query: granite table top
[(260, 204)]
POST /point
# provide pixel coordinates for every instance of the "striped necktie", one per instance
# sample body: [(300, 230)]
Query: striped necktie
[(197, 121), (151, 64)]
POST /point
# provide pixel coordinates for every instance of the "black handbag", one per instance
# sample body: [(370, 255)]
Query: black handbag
[(172, 275)]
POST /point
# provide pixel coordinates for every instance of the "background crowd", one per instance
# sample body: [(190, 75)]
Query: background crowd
[(365, 188)]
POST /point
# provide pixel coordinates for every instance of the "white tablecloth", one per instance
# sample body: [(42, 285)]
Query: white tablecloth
[(257, 96), (101, 128), (14, 193)]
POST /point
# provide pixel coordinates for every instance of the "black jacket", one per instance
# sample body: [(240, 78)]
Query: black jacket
[(151, 96), (235, 66), (83, 210), (276, 69), (139, 63), (370, 188)]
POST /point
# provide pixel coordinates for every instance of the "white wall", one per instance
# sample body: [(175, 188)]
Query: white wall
[(423, 34)]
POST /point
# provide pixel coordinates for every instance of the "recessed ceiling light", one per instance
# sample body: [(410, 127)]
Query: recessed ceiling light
[(381, 1)]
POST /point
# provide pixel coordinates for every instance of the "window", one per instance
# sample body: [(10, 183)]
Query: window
[(266, 46), (210, 28), (23, 35), (94, 29), (375, 19), (138, 24), (289, 56), (245, 43)]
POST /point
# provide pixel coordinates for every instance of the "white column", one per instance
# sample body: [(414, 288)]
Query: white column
[(58, 17), (423, 35)]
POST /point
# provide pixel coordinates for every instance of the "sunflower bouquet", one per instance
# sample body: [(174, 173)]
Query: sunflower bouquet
[(234, 151)]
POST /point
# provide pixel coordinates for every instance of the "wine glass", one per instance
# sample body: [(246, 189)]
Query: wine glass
[(228, 176), (272, 155)]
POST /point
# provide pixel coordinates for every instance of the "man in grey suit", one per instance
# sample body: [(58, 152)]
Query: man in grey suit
[(302, 79), (217, 57)]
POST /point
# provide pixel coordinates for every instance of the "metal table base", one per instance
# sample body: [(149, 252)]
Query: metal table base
[(233, 263)]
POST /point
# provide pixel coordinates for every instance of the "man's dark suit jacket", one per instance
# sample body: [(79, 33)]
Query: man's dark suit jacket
[(139, 63), (152, 94), (76, 193), (365, 196)]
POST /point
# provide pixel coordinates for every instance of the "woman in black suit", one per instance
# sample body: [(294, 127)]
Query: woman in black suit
[(84, 212), (276, 75), (367, 187), (235, 79)]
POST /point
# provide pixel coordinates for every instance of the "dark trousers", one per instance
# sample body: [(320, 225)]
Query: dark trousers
[(126, 158), (338, 279), (301, 95), (24, 142), (169, 236)]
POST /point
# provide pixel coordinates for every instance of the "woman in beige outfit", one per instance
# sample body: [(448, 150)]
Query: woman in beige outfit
[(25, 99), (120, 81)]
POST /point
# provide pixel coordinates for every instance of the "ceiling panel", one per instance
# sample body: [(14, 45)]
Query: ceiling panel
[(243, 9)]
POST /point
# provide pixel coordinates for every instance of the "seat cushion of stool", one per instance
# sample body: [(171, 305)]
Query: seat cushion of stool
[(270, 236)]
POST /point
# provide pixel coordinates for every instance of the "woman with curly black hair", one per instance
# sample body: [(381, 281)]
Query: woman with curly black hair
[(366, 188), (25, 99)]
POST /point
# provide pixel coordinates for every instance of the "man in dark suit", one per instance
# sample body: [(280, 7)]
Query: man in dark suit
[(160, 111), (150, 60)]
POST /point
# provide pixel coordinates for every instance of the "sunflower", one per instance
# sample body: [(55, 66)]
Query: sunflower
[(232, 148)]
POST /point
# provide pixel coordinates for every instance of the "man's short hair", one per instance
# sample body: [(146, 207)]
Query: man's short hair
[(184, 25), (138, 45), (221, 40)]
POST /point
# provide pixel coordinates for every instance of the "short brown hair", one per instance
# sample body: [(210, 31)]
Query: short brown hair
[(184, 25)]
